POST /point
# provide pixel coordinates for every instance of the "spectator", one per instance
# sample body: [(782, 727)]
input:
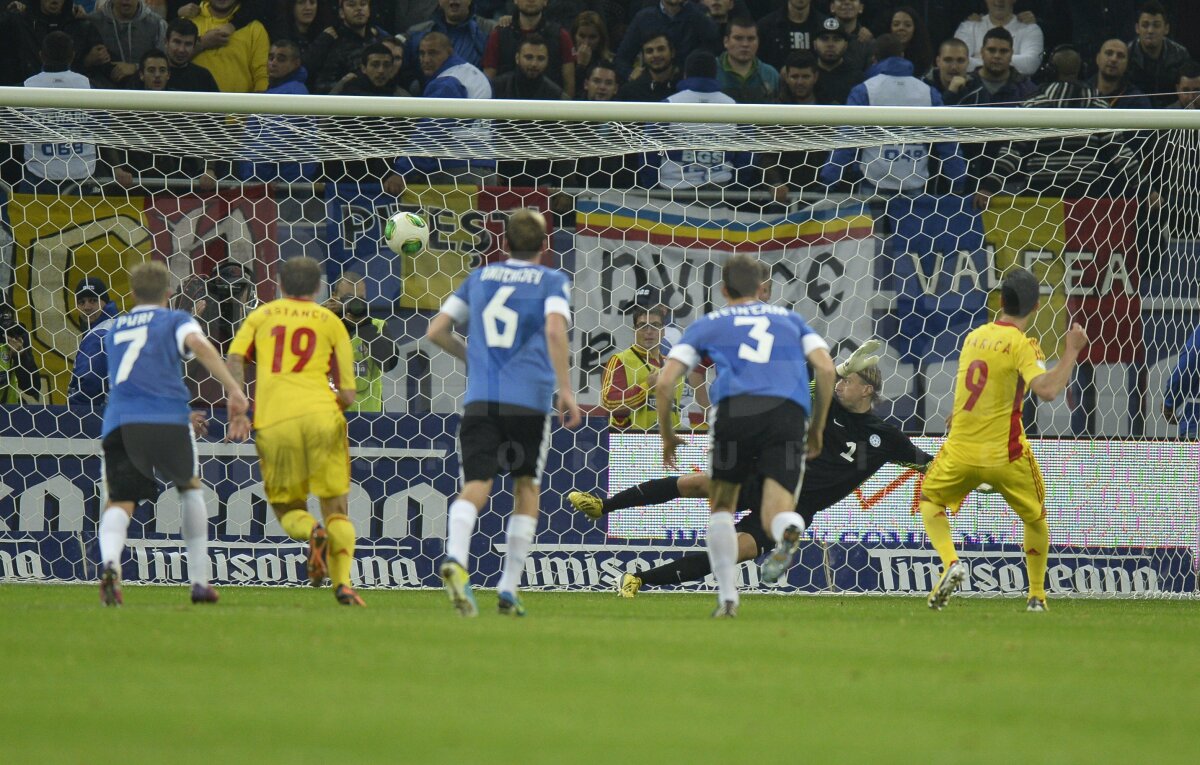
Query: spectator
[(1181, 394), (446, 74), (1096, 165), (742, 75), (89, 373), (1187, 87), (690, 169), (502, 45), (799, 78), (949, 75), (298, 21), (373, 344), (449, 76), (181, 48), (400, 76), (59, 167), (601, 172), (236, 55), (793, 27), (685, 24), (337, 51), (850, 13), (627, 388), (602, 83), (285, 70), (265, 138), (129, 29), (659, 76), (898, 168), (529, 81), (468, 33), (997, 82), (41, 17), (1154, 58), (838, 74), (22, 380), (909, 28), (797, 170), (590, 35), (145, 170), (1110, 80), (375, 77), (1027, 40)]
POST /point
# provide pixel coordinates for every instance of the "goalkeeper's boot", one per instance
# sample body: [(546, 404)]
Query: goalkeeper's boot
[(346, 596), (588, 504), (110, 586), (780, 559), (952, 578), (726, 609), (1036, 604), (510, 605), (204, 593), (318, 547), (458, 586), (628, 585)]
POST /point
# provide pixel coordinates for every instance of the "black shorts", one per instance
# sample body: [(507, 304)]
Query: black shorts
[(750, 500), (494, 437), (759, 434), (134, 453)]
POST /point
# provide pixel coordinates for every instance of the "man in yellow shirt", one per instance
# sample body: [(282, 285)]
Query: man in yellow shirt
[(987, 443), (302, 349), (627, 388), (235, 52)]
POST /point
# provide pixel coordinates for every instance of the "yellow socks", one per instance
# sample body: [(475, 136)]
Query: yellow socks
[(1037, 547), (937, 526), (298, 524), (341, 549)]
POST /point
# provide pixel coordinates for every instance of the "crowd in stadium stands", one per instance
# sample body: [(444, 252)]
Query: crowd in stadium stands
[(1001, 53), (1093, 53)]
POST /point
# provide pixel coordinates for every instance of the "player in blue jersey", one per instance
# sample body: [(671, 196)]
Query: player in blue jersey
[(761, 393), (517, 313), (147, 424)]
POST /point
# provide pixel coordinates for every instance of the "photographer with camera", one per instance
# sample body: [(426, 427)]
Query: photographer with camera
[(374, 346), (220, 303), (20, 378)]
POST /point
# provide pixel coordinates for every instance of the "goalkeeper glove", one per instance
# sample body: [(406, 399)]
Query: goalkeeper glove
[(860, 359)]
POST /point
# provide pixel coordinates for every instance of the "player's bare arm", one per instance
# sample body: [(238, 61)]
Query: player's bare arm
[(239, 425), (560, 355), (824, 376), (664, 397), (1049, 385), (441, 333), (207, 355)]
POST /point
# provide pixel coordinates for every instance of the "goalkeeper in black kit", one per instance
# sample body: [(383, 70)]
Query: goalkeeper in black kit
[(857, 444)]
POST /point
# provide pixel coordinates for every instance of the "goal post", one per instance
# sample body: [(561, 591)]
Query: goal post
[(868, 228)]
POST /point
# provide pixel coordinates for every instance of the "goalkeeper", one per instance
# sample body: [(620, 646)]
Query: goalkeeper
[(857, 443)]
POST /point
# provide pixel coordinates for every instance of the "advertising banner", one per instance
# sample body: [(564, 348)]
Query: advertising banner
[(941, 273), (58, 240), (1119, 532), (821, 266)]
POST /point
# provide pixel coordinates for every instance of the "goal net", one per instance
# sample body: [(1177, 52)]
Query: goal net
[(892, 223)]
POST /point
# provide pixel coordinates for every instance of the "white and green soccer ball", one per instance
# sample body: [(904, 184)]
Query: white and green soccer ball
[(406, 233)]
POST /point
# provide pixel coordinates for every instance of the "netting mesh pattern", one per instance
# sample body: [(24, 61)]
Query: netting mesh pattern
[(300, 138), (874, 232)]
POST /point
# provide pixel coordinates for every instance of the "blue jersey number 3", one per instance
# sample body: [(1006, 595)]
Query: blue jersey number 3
[(760, 333)]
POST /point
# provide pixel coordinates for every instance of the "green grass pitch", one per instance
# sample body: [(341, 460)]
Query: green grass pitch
[(277, 675)]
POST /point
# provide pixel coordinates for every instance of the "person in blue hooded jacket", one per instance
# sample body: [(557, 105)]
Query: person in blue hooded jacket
[(894, 168), (697, 168), (89, 373), (1181, 394)]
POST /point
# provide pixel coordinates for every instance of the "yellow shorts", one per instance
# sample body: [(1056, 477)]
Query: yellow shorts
[(948, 480), (304, 455)]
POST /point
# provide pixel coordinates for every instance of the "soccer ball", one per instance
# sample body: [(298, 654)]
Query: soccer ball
[(406, 233)]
